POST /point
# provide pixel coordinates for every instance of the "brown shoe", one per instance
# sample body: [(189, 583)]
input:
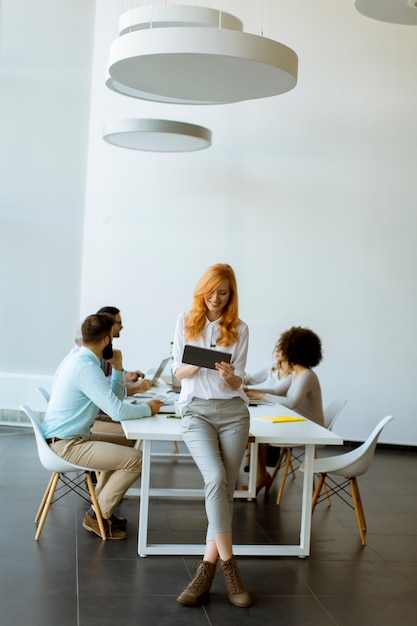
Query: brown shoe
[(117, 522), (112, 533), (199, 588), (234, 585)]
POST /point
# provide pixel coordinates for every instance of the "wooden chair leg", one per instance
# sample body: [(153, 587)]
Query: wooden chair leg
[(326, 491), (176, 451), (317, 490), (361, 510), (95, 505), (284, 475), (326, 494), (290, 465), (45, 496), (357, 505), (52, 486), (138, 444), (278, 464), (360, 505)]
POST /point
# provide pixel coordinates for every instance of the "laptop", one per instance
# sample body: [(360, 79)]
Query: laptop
[(156, 376)]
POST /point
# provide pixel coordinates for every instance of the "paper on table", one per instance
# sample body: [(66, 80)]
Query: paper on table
[(281, 418)]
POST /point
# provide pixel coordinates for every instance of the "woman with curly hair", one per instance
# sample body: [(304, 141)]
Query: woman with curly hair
[(301, 349), (215, 420)]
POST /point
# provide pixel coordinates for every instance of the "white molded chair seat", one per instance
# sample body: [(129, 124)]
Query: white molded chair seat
[(288, 456), (332, 412), (61, 470), (349, 466)]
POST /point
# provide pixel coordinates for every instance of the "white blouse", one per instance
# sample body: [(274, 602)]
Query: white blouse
[(207, 383)]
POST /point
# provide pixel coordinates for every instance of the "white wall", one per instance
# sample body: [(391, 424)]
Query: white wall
[(309, 195), (45, 77)]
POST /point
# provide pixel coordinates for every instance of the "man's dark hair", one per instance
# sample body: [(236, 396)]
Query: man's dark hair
[(300, 346), (96, 326), (112, 310)]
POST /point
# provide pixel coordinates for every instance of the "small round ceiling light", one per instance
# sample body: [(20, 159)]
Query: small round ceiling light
[(174, 60), (393, 11), (153, 135)]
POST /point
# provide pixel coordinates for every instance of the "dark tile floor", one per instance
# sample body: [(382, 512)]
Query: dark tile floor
[(72, 578)]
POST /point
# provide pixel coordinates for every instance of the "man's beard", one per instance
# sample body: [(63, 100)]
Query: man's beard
[(108, 351)]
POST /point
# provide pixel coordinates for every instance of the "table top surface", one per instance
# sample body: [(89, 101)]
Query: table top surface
[(162, 428)]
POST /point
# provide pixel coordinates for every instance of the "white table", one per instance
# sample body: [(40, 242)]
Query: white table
[(161, 428)]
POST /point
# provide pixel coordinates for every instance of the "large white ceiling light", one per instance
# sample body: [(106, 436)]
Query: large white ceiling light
[(157, 16), (394, 11), (157, 135), (194, 55)]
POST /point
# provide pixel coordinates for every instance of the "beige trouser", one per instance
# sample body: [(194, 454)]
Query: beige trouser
[(108, 426), (119, 465)]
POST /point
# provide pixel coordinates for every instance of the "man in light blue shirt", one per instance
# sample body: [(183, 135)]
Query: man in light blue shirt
[(80, 391)]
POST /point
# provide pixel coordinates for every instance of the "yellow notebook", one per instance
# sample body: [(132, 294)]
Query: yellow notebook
[(281, 418)]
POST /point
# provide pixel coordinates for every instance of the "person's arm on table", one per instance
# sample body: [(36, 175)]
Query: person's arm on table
[(95, 386), (138, 387), (296, 393), (133, 377), (271, 395)]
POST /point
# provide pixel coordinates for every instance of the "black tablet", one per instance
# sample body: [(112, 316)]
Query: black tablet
[(204, 357)]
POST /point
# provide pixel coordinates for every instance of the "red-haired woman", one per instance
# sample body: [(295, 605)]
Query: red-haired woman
[(215, 420)]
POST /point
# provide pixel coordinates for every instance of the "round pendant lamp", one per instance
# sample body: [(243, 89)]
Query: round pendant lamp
[(204, 63), (394, 11), (123, 90), (153, 135), (176, 15)]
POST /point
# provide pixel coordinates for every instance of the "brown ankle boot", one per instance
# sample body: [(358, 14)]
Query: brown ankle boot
[(199, 588), (234, 585)]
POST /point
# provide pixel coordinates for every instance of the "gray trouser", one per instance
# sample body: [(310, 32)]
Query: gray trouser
[(216, 434), (119, 464)]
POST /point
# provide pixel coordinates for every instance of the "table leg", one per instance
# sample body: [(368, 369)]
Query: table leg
[(144, 497), (305, 531)]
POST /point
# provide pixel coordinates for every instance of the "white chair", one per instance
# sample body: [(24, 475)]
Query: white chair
[(45, 395), (61, 471), (332, 412), (349, 466), (287, 456)]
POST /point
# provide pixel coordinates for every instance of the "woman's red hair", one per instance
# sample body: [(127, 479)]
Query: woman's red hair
[(195, 319)]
